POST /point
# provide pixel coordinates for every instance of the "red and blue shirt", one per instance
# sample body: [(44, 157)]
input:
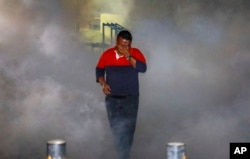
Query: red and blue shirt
[(119, 73)]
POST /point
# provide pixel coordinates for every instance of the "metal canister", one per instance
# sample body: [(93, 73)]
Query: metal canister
[(176, 150), (56, 149)]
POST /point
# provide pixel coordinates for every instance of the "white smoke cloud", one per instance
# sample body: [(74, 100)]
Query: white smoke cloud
[(50, 40), (45, 85), (195, 90)]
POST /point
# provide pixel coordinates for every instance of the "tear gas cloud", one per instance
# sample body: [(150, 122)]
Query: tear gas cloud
[(46, 89), (195, 91)]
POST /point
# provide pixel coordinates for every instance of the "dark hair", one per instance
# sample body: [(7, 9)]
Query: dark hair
[(125, 34)]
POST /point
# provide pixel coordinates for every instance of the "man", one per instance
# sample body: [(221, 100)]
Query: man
[(117, 72)]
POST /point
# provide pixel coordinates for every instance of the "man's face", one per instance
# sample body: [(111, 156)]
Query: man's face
[(123, 45)]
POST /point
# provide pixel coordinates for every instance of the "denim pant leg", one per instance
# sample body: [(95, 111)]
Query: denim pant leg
[(122, 115)]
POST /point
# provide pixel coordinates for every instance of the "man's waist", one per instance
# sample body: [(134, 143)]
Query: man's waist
[(122, 92), (118, 95), (122, 95)]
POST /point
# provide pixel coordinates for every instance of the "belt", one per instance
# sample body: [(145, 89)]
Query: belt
[(118, 96)]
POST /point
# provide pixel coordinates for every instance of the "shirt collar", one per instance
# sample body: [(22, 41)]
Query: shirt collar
[(117, 55)]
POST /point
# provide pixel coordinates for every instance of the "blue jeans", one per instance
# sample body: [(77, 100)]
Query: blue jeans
[(122, 115)]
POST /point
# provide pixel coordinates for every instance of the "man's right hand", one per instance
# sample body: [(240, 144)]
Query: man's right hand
[(106, 89)]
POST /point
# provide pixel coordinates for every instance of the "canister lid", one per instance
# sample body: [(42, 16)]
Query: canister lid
[(56, 141), (175, 144)]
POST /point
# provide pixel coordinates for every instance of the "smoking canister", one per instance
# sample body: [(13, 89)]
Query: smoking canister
[(56, 149), (176, 150)]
